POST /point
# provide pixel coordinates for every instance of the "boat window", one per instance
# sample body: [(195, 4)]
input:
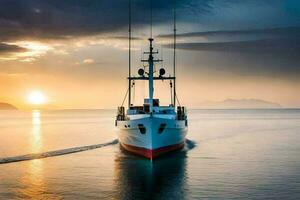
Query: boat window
[(142, 128), (162, 128)]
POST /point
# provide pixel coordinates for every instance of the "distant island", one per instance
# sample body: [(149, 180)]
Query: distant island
[(7, 106), (239, 104)]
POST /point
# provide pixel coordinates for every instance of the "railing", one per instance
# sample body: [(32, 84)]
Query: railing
[(181, 113), (121, 114)]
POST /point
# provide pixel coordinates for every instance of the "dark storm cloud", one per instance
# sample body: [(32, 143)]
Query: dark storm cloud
[(57, 19), (251, 14), (125, 38), (7, 48), (271, 46), (250, 52), (282, 32), (267, 57), (253, 39), (279, 41)]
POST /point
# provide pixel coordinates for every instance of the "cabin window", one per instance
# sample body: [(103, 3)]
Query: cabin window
[(146, 108), (161, 128), (142, 128)]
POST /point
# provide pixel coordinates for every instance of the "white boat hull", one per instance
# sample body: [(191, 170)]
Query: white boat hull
[(151, 136)]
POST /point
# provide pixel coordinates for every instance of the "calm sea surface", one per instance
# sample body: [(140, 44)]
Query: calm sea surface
[(230, 154)]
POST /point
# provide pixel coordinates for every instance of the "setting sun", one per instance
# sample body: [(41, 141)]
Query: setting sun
[(36, 98)]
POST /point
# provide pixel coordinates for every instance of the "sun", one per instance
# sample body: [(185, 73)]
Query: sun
[(36, 98)]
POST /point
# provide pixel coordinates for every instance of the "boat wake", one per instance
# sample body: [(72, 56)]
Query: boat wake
[(190, 144), (54, 153)]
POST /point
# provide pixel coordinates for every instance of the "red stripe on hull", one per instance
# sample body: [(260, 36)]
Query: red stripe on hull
[(148, 153)]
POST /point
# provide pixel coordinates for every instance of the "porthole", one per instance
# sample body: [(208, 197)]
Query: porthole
[(161, 128), (142, 128)]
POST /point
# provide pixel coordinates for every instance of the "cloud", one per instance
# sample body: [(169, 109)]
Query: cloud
[(97, 23), (8, 48), (271, 46), (56, 19), (10, 51), (276, 41), (23, 51), (280, 32), (272, 58), (88, 61), (267, 52)]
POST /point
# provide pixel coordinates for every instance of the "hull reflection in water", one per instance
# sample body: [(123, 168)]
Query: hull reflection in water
[(163, 178)]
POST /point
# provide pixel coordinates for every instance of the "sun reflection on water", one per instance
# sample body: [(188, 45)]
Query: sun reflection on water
[(36, 133), (33, 179)]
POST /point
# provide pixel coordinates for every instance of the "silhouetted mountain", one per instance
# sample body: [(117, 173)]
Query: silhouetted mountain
[(239, 103), (6, 106)]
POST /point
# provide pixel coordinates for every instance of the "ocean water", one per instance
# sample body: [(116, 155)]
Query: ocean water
[(229, 154)]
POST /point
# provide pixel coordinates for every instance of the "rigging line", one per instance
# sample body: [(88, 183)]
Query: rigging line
[(144, 90), (162, 55), (129, 52), (142, 56), (177, 99), (174, 55), (171, 91), (133, 86), (129, 37), (125, 97)]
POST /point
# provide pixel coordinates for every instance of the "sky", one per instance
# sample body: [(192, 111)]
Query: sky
[(76, 51)]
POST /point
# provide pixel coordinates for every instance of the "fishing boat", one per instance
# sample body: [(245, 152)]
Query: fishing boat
[(151, 129)]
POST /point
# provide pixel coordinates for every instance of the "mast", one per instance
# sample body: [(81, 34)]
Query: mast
[(129, 54), (150, 61), (174, 57)]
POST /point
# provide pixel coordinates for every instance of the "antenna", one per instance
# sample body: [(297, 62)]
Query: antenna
[(129, 53), (162, 55), (151, 19), (174, 56), (151, 64)]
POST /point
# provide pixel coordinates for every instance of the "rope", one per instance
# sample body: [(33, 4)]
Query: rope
[(171, 91), (174, 51), (162, 55), (177, 99), (133, 86), (125, 97)]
